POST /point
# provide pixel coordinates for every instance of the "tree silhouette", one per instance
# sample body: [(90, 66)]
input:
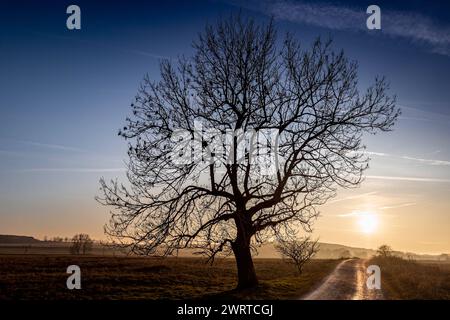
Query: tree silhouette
[(298, 251), (384, 251), (229, 195), (81, 244)]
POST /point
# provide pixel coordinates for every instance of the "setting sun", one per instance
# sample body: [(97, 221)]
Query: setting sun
[(367, 222)]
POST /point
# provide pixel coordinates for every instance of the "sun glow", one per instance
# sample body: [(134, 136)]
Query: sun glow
[(367, 222)]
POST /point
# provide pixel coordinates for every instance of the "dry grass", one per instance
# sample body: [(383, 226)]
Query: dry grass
[(405, 280), (44, 277)]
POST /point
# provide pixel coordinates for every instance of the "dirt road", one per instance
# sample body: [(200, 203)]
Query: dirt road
[(346, 282)]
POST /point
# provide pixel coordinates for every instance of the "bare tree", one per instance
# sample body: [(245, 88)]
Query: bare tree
[(81, 244), (384, 251), (297, 251), (240, 80)]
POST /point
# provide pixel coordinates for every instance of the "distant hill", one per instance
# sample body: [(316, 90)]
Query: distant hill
[(326, 251), (13, 239), (14, 244), (337, 251)]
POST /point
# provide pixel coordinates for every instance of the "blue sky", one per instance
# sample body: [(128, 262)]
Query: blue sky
[(64, 94)]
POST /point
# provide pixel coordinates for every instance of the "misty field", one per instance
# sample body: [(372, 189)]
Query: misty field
[(409, 280), (36, 277)]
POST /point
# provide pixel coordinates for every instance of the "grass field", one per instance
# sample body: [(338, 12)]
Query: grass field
[(404, 280), (31, 277)]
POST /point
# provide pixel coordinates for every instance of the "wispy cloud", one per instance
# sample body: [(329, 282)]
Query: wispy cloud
[(71, 170), (96, 43), (376, 211), (414, 179), (12, 153), (395, 206), (413, 26), (363, 195), (148, 54), (374, 153), (432, 162), (358, 213), (350, 214), (415, 119), (51, 146), (419, 114)]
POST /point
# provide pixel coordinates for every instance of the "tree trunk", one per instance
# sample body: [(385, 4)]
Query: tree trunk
[(246, 270)]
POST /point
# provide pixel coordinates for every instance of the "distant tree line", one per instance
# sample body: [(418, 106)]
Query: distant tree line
[(81, 244), (57, 239)]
